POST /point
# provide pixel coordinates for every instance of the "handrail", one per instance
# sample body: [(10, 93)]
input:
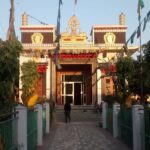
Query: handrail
[(8, 114)]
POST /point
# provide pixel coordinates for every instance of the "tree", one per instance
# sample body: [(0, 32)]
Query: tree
[(9, 70), (29, 80), (135, 72), (146, 68), (125, 71)]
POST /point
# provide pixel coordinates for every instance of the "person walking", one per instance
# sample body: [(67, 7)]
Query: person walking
[(67, 110)]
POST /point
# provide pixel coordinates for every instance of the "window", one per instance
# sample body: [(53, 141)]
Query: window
[(107, 81), (72, 78)]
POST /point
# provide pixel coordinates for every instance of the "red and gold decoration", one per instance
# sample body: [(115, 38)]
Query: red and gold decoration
[(42, 68)]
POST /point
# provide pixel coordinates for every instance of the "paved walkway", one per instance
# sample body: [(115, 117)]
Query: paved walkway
[(83, 133)]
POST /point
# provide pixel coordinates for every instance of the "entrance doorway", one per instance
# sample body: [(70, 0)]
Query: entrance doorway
[(74, 83), (68, 95), (78, 94), (73, 91)]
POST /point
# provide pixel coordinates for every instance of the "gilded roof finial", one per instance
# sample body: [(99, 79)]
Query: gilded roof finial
[(122, 19), (24, 19), (74, 24)]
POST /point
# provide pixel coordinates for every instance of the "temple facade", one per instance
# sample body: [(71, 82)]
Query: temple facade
[(70, 66)]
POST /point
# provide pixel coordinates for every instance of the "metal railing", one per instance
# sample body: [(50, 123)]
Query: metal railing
[(109, 119), (31, 129), (147, 128), (44, 119), (8, 131), (125, 126)]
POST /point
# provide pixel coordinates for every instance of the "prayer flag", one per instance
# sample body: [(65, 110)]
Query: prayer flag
[(75, 2), (145, 22), (132, 37), (140, 5), (58, 18), (138, 32), (148, 16), (61, 2)]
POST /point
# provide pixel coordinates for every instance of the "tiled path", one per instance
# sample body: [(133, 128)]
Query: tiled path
[(83, 133)]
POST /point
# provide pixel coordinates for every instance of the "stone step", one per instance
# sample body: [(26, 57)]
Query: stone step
[(78, 115), (75, 107)]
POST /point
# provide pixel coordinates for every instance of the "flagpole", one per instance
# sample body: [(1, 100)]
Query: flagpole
[(74, 7), (141, 61)]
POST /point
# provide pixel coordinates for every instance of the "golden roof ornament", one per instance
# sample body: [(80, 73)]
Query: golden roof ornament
[(24, 19), (74, 24), (122, 19), (109, 38), (73, 37), (37, 38)]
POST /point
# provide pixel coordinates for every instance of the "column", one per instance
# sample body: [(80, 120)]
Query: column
[(39, 125), (22, 127), (47, 117), (137, 121), (48, 79), (99, 89), (104, 114), (116, 109)]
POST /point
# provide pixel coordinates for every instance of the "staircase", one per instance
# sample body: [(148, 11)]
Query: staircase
[(78, 114)]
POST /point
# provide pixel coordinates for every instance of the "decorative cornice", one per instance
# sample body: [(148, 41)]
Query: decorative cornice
[(79, 46), (39, 31), (109, 26), (79, 51), (27, 57), (46, 28), (39, 46), (110, 30), (133, 47), (110, 45), (37, 26), (119, 47)]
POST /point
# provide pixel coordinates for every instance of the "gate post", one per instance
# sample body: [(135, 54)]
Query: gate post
[(47, 116), (137, 121), (116, 109), (104, 114), (22, 127), (39, 125)]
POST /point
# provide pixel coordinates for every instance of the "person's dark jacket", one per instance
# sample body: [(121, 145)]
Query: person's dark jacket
[(67, 107)]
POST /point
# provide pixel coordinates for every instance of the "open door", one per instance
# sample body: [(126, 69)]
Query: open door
[(78, 94)]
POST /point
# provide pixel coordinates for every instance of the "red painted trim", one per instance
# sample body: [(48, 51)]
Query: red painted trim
[(79, 39), (108, 28), (71, 56), (41, 68), (105, 70), (67, 39), (42, 28)]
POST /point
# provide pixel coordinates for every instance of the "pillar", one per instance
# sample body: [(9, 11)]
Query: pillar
[(39, 125), (116, 109), (104, 114), (22, 127), (137, 123), (47, 117)]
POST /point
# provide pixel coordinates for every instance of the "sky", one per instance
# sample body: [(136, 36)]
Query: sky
[(88, 12)]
